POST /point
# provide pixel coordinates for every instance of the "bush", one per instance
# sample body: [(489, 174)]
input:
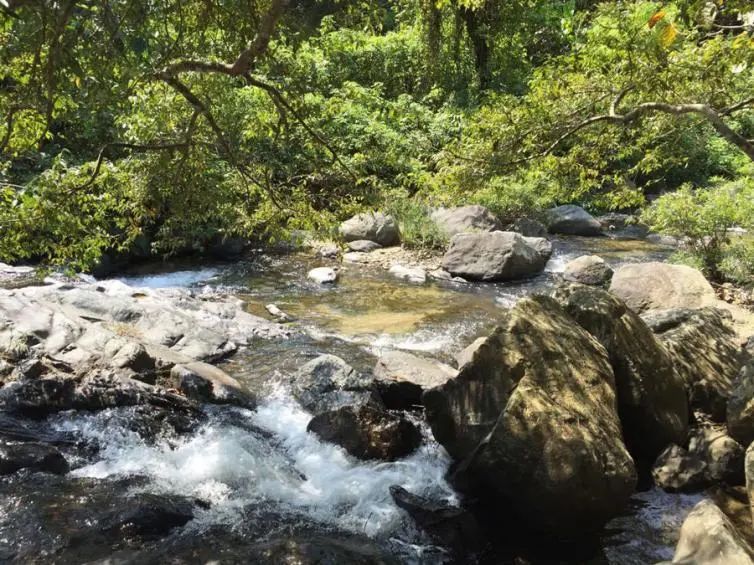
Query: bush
[(703, 219), (418, 230)]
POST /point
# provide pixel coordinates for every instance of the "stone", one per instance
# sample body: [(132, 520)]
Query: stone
[(401, 378), (363, 246), (367, 432), (542, 245), (227, 248), (323, 275), (652, 401), (572, 220), (328, 382), (722, 455), (588, 269), (739, 412), (749, 475), (677, 470), (410, 274), (355, 257), (493, 256), (463, 219), (328, 250), (203, 382), (532, 422), (529, 227), (148, 515), (706, 354), (655, 285), (133, 356), (708, 537), (373, 226), (32, 455)]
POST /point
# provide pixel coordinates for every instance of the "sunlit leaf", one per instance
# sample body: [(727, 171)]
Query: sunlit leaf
[(668, 35), (656, 18)]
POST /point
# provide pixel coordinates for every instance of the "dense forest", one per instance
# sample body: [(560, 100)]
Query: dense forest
[(158, 127)]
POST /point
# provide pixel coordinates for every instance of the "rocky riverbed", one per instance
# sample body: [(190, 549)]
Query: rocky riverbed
[(171, 415)]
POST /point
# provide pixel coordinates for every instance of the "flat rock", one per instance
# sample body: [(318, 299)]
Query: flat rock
[(402, 377), (410, 274), (363, 246)]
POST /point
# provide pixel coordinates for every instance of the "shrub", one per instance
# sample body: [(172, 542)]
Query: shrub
[(418, 230)]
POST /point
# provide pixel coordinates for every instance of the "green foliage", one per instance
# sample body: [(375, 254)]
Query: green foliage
[(703, 220), (418, 230)]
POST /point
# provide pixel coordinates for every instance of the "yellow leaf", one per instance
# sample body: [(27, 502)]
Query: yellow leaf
[(656, 18), (668, 35)]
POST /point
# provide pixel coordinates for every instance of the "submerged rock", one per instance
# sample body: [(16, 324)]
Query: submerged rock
[(572, 220), (472, 218), (367, 432), (532, 420), (35, 456), (652, 401), (402, 377), (588, 269), (708, 537), (374, 226), (493, 256)]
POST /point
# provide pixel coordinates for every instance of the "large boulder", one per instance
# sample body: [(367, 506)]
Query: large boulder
[(328, 382), (677, 470), (373, 226), (740, 408), (493, 256), (708, 537), (367, 432), (473, 218), (652, 400), (705, 351), (402, 377), (588, 269), (33, 455), (533, 420), (655, 285), (572, 220)]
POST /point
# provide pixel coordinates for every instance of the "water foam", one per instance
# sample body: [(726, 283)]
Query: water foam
[(174, 279)]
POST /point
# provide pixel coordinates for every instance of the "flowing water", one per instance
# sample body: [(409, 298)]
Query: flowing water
[(260, 475)]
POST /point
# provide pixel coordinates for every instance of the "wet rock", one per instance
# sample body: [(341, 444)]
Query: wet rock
[(320, 550), (706, 355), (708, 537), (329, 382), (493, 256), (281, 316), (655, 285), (30, 369), (367, 432), (206, 383), (588, 269), (542, 245), (572, 220), (133, 356), (740, 408), (749, 474), (677, 470), (147, 515), (652, 400), (401, 378), (450, 526), (35, 456), (529, 227), (373, 226), (323, 275), (355, 257), (410, 274), (363, 246), (473, 218), (532, 421), (328, 250)]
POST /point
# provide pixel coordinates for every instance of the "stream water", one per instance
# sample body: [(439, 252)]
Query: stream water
[(261, 476)]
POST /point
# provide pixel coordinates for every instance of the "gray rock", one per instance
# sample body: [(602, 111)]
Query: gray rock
[(493, 256), (206, 383), (722, 455), (532, 419), (652, 401), (677, 470), (355, 257), (655, 285), (572, 220), (529, 227), (323, 275), (133, 356), (329, 250), (542, 245), (402, 377), (463, 219), (329, 382), (749, 474), (410, 274), (367, 432), (363, 246), (740, 408), (588, 269), (374, 226), (708, 537)]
